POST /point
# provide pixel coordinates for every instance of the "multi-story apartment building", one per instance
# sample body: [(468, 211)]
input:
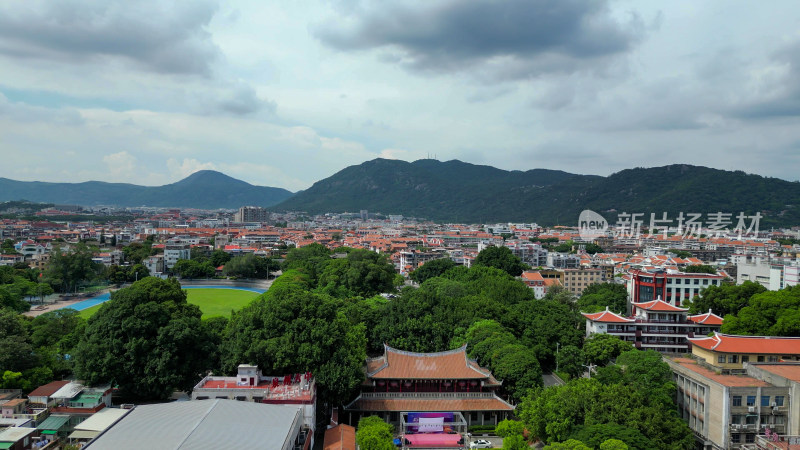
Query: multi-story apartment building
[(655, 325), (735, 389), (175, 250), (251, 214), (563, 260), (576, 280), (672, 286)]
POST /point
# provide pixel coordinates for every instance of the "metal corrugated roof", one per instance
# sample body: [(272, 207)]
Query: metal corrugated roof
[(202, 424), (102, 419), (83, 434), (14, 434), (53, 423)]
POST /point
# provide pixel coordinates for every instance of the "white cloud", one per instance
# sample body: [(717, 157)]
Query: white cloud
[(182, 169), (120, 164)]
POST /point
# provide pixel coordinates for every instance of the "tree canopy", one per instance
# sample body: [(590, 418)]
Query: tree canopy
[(374, 434), (500, 258), (147, 340), (724, 299), (598, 296), (430, 269), (292, 330), (770, 313)]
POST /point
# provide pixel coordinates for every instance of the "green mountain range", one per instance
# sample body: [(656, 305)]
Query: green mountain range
[(455, 191), (205, 189), (461, 192)]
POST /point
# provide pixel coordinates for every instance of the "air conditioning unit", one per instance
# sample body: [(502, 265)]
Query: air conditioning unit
[(774, 404), (751, 409)]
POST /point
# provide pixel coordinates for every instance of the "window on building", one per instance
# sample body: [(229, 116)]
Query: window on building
[(751, 400), (696, 281), (779, 420), (765, 400), (760, 358), (778, 400), (732, 359), (773, 358), (736, 419), (714, 282), (705, 282), (745, 358), (737, 399), (749, 438), (736, 438), (721, 359), (750, 420)]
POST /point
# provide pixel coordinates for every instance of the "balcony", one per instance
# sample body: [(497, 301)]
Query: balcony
[(428, 395)]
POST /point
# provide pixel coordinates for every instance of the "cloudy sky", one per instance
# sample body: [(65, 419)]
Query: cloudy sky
[(284, 93)]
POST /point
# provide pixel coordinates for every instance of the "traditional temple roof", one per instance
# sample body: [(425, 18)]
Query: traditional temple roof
[(606, 316), (659, 305), (402, 365), (768, 345), (708, 318)]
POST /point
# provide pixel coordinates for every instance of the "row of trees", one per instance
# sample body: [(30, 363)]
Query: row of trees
[(35, 350)]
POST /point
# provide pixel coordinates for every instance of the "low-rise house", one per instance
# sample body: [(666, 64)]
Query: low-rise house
[(41, 397), (18, 438), (96, 424), (250, 385)]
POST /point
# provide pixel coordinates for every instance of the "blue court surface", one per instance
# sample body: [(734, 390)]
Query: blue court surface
[(80, 306)]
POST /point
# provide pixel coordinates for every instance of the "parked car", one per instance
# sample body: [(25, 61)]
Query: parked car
[(480, 443)]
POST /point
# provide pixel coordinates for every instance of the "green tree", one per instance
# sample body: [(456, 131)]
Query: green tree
[(309, 259), (188, 268), (700, 268), (136, 252), (515, 442), (600, 349), (374, 434), (771, 313), (683, 254), (571, 361), (570, 444), (500, 258), (69, 270), (725, 299), (613, 444), (598, 296), (509, 428), (250, 266), (219, 257), (361, 273), (291, 330), (17, 352), (431, 269), (148, 340)]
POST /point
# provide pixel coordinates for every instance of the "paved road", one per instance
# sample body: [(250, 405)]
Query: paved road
[(551, 380)]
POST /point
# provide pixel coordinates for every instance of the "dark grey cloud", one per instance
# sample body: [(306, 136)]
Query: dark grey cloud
[(495, 40), (242, 100), (165, 37), (779, 98)]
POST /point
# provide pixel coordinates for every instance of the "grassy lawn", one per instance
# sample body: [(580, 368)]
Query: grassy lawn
[(220, 302), (213, 302)]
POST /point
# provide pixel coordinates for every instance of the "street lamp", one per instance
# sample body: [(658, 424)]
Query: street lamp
[(558, 344)]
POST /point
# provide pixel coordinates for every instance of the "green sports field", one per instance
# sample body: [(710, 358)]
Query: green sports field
[(213, 302)]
